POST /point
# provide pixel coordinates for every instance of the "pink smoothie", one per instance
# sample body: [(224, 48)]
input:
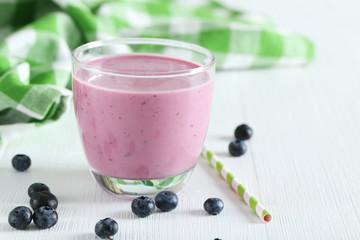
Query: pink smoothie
[(142, 128)]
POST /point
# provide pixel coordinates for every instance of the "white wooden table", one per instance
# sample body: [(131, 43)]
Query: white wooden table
[(303, 162)]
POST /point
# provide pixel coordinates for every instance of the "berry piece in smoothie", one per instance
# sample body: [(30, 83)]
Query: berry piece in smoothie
[(237, 148), (37, 187), (243, 132), (166, 201), (39, 199), (213, 206), (21, 162), (20, 217), (106, 228), (143, 206), (45, 217)]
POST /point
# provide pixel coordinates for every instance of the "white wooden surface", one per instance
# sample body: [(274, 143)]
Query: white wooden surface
[(302, 163)]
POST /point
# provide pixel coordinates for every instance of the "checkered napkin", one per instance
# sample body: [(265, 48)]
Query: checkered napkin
[(37, 36)]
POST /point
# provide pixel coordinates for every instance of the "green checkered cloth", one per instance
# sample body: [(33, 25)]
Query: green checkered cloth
[(37, 36)]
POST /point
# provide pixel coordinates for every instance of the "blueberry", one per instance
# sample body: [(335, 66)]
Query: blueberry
[(37, 187), (243, 132), (20, 217), (39, 199), (166, 201), (106, 228), (217, 239), (213, 206), (21, 162), (45, 217), (143, 206), (237, 148)]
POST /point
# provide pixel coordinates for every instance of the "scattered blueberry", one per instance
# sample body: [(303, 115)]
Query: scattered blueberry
[(39, 199), (237, 148), (106, 228), (143, 206), (21, 162), (166, 201), (20, 217), (45, 217), (213, 206), (37, 187), (243, 132)]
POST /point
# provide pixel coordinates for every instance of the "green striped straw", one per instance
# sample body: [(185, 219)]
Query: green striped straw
[(248, 198)]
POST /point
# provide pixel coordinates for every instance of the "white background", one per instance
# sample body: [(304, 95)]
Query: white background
[(303, 162)]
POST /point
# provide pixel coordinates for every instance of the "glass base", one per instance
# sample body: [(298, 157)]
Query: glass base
[(134, 188)]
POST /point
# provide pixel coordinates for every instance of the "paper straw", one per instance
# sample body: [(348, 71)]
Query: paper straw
[(248, 198)]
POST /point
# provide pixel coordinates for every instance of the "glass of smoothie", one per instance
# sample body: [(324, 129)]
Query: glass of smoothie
[(142, 106)]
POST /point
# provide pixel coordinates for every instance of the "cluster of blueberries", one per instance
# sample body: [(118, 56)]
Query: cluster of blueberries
[(143, 206), (238, 146), (43, 202)]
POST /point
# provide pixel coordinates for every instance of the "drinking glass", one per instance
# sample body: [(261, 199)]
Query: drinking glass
[(142, 106)]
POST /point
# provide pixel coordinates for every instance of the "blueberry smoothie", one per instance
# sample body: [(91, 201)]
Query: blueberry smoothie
[(141, 127)]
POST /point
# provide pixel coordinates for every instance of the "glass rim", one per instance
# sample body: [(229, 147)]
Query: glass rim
[(147, 41)]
